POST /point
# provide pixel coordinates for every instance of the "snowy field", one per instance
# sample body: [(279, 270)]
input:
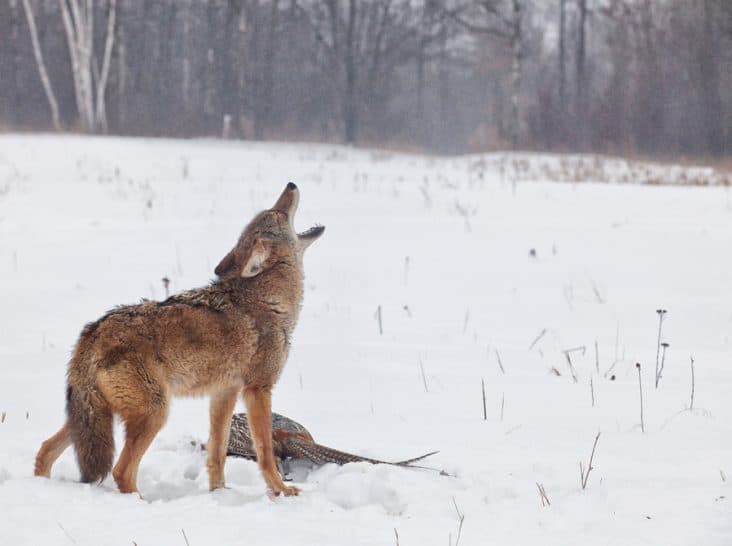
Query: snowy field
[(468, 260)]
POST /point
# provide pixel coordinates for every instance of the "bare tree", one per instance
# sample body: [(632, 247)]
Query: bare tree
[(42, 72), (12, 61), (709, 72), (580, 62), (363, 44), (503, 20), (562, 53), (78, 21)]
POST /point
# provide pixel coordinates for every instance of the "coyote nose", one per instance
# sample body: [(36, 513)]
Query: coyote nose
[(287, 201)]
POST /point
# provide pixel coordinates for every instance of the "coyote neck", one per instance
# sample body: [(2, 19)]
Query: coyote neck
[(273, 297)]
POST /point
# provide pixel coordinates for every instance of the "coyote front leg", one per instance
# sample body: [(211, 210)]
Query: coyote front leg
[(259, 412), (222, 409)]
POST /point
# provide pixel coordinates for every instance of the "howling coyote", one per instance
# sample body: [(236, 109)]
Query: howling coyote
[(230, 337)]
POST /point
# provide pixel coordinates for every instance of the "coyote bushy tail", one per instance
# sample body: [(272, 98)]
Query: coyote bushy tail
[(90, 423)]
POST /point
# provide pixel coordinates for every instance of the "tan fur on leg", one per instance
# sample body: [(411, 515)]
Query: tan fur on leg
[(222, 408), (259, 411), (140, 433), (50, 450)]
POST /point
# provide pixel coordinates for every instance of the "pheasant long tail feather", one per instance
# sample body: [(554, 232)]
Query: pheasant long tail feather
[(320, 454), (408, 462)]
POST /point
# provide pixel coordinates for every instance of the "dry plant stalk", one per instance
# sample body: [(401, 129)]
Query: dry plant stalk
[(663, 360), (461, 519), (485, 411), (592, 392), (500, 364), (542, 495), (691, 403), (537, 338), (571, 367), (424, 377), (640, 389), (66, 532), (661, 315), (584, 475)]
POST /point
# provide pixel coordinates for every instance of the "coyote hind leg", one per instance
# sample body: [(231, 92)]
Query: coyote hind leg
[(141, 401), (51, 449), (139, 434)]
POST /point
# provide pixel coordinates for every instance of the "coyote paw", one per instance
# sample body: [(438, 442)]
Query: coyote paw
[(218, 485), (287, 491)]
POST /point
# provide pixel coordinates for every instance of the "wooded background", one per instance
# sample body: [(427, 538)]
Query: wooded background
[(650, 77)]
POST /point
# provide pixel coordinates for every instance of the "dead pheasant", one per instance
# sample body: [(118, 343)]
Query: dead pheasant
[(293, 441)]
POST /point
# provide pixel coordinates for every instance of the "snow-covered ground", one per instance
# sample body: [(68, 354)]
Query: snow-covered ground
[(466, 261)]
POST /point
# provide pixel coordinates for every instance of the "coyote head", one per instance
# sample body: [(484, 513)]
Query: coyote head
[(269, 239)]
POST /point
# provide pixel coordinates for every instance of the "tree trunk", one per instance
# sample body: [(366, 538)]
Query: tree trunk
[(186, 53), (230, 62), (580, 84), (516, 73), (267, 69), (50, 96), (350, 107), (100, 115), (562, 110), (712, 99), (444, 82), (121, 77), (16, 62), (77, 22)]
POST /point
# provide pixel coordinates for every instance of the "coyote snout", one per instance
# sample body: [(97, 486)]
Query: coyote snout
[(228, 338)]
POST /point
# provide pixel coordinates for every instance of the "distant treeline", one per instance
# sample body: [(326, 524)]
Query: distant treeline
[(620, 76)]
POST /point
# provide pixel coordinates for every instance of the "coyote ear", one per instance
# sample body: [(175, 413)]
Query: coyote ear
[(256, 255), (226, 264)]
